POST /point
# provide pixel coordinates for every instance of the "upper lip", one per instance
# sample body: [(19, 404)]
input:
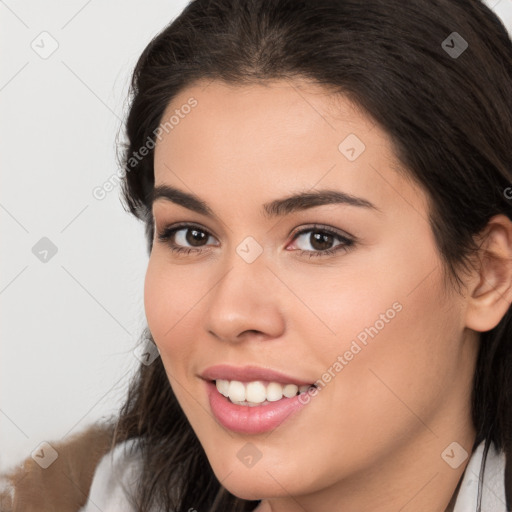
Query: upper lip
[(250, 373)]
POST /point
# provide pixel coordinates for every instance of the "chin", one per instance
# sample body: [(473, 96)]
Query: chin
[(256, 483), (250, 489)]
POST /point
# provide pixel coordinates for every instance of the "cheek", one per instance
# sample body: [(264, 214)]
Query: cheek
[(400, 362), (393, 328), (167, 302), (169, 310)]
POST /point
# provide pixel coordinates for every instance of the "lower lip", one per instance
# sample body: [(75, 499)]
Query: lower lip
[(251, 420)]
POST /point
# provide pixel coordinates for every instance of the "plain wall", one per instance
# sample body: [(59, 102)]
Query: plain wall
[(69, 324)]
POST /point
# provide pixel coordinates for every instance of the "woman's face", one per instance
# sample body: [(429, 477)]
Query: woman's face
[(370, 323)]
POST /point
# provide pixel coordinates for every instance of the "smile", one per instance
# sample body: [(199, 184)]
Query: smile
[(253, 400)]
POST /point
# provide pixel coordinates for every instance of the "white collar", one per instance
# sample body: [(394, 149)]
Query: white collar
[(493, 488), (116, 474)]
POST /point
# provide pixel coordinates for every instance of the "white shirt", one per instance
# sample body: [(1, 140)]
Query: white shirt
[(119, 467), (493, 488)]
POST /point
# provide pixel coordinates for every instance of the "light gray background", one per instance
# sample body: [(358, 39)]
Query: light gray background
[(70, 324)]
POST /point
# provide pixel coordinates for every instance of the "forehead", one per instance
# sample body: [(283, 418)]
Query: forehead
[(276, 135), (282, 110)]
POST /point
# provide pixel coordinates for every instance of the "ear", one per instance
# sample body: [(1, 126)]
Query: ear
[(490, 290)]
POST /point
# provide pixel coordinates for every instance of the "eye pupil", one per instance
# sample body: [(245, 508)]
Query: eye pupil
[(323, 239), (197, 236)]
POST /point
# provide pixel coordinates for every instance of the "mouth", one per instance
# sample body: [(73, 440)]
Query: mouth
[(252, 400)]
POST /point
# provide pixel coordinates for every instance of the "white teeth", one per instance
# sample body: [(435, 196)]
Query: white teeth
[(223, 387), (256, 393), (274, 392), (236, 391), (290, 390)]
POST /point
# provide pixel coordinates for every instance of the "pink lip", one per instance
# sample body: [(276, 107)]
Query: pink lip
[(251, 420), (250, 373)]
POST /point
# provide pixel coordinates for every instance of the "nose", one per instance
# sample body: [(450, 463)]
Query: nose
[(244, 304)]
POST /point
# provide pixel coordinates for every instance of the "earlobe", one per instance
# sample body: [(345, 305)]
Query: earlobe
[(490, 295)]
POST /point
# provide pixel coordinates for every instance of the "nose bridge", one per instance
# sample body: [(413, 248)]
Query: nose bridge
[(246, 268), (240, 301)]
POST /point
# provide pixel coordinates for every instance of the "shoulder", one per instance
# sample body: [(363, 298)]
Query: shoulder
[(115, 479), (65, 484), (496, 488)]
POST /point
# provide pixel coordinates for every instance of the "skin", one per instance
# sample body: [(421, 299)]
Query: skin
[(372, 438)]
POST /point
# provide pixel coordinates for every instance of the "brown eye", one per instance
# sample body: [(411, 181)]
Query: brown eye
[(185, 238), (321, 241), (194, 237), (318, 241)]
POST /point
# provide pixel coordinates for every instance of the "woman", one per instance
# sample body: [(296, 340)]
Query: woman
[(326, 191)]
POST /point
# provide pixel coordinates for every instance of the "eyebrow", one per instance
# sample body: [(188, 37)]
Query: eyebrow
[(276, 208)]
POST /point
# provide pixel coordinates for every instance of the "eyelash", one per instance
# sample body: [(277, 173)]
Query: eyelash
[(167, 233)]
